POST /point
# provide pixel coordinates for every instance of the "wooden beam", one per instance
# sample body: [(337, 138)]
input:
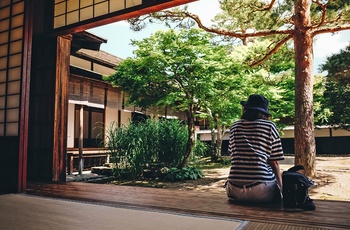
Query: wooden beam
[(117, 16)]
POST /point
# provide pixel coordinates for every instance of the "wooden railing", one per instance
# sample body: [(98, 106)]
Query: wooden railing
[(91, 158)]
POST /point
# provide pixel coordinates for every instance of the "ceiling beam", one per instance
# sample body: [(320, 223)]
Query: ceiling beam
[(118, 16)]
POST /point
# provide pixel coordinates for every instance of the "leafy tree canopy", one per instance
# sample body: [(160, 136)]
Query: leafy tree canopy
[(173, 68), (338, 66), (337, 89), (274, 78)]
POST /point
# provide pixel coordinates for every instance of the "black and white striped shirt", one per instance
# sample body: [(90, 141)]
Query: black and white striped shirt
[(252, 144)]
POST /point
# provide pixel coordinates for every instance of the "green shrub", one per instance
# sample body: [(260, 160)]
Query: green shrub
[(172, 137), (199, 151), (186, 173), (132, 148), (117, 141)]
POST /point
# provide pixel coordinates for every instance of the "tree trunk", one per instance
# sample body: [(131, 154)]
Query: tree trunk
[(219, 135), (191, 136), (304, 138), (213, 144)]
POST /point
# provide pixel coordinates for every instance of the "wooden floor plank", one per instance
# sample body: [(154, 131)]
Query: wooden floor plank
[(268, 226), (328, 214)]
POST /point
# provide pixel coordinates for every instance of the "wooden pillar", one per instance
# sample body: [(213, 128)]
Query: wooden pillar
[(24, 115), (61, 108)]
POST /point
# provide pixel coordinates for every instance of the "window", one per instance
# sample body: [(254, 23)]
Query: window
[(93, 127), (11, 45), (73, 11)]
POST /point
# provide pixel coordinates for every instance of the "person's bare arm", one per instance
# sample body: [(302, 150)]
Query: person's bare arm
[(276, 170)]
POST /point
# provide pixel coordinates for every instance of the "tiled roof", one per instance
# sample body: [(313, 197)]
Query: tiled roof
[(100, 57)]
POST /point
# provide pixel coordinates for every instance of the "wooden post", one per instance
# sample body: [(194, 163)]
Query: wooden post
[(24, 115), (70, 163), (63, 45), (81, 138)]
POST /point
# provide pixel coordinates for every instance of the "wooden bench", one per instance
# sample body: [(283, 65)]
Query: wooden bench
[(90, 158)]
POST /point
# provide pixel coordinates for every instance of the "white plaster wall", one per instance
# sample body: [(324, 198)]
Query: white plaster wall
[(103, 69), (111, 116), (70, 126), (205, 136), (340, 133), (288, 133), (125, 118), (80, 62), (324, 132)]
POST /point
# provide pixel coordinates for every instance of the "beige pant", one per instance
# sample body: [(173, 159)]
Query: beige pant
[(263, 192)]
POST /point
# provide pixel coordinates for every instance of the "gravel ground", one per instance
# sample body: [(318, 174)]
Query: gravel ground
[(331, 182)]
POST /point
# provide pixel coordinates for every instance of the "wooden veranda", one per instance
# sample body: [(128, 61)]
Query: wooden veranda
[(328, 214)]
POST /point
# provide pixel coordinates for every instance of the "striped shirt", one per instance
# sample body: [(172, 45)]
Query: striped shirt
[(252, 144)]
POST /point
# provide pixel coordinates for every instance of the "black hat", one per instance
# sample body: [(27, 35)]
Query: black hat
[(257, 102)]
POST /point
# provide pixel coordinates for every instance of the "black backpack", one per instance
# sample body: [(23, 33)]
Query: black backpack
[(295, 189)]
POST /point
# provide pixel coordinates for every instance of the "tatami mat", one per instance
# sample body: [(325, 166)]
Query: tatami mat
[(35, 213)]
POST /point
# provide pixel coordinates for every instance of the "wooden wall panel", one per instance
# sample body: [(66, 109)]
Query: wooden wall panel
[(41, 117), (9, 164)]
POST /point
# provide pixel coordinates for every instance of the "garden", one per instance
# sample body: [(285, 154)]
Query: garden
[(154, 150)]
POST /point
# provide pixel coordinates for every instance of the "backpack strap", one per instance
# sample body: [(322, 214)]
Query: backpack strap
[(296, 176), (296, 168)]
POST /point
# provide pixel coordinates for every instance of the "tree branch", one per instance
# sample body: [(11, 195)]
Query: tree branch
[(331, 29), (268, 7), (224, 32), (260, 8), (324, 11), (271, 52)]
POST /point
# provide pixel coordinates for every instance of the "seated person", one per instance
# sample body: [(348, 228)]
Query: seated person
[(255, 149)]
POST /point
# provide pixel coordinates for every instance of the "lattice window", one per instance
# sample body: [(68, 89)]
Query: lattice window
[(11, 52), (67, 12)]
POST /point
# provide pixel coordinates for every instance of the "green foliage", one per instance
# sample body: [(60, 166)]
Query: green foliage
[(338, 67), (242, 15), (274, 79), (171, 68), (186, 173), (172, 137), (200, 150), (133, 147), (182, 69), (207, 163), (335, 109), (336, 9), (117, 143), (321, 112)]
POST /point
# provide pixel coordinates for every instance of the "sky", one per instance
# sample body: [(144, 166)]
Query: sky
[(119, 35)]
